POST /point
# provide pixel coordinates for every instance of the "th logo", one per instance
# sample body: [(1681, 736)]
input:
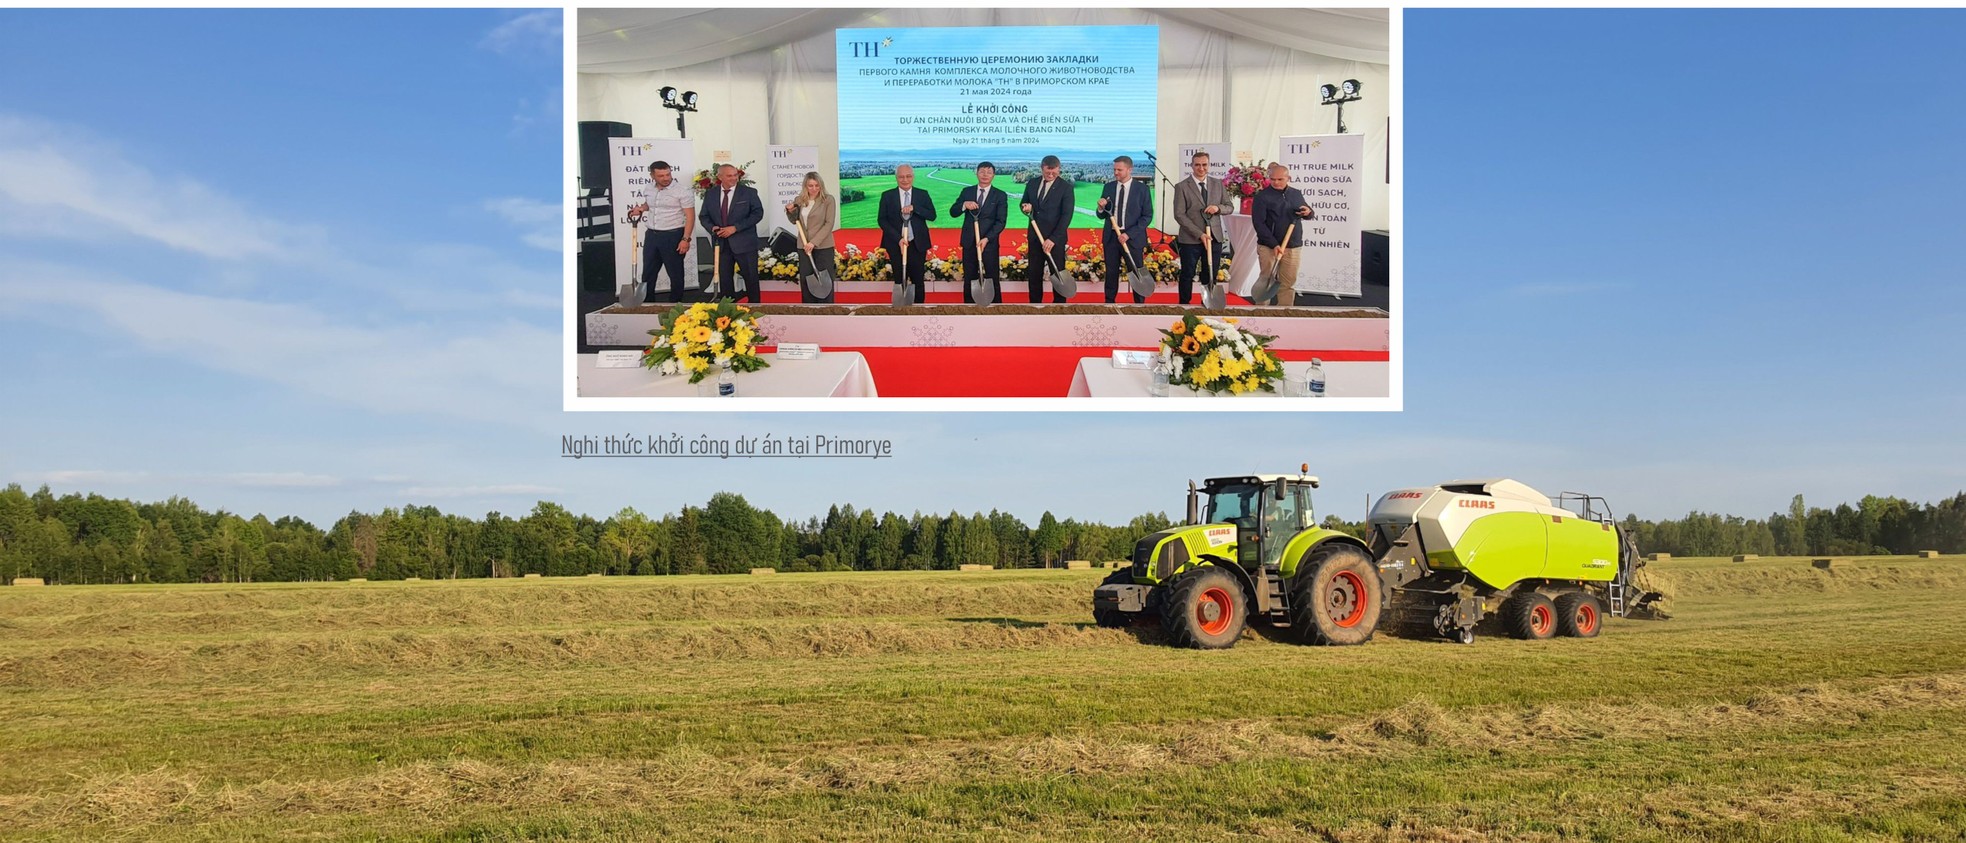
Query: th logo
[(1299, 147), (866, 49)]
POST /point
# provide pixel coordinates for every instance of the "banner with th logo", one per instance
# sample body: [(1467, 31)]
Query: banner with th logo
[(785, 169), (1218, 160), (629, 160), (1326, 169)]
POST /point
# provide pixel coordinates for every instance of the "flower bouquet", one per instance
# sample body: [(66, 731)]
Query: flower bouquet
[(706, 179), (1244, 180), (702, 336), (1213, 355)]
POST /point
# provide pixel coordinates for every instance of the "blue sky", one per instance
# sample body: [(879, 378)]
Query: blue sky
[(306, 262)]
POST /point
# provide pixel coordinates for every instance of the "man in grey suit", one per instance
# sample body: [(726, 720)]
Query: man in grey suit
[(1199, 202)]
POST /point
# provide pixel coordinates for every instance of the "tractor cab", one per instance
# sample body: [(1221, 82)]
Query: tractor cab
[(1266, 510)]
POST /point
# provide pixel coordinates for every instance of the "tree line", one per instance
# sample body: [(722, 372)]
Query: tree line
[(78, 538)]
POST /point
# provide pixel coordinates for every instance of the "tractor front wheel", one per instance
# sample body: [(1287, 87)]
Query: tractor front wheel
[(1529, 616), (1205, 608), (1335, 596)]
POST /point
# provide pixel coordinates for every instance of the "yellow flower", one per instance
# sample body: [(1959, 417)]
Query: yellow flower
[(1189, 345), (700, 333), (1231, 320), (1203, 332), (723, 322), (1180, 327)]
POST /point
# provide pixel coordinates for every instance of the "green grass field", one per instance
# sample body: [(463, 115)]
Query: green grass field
[(1780, 703), (944, 185)]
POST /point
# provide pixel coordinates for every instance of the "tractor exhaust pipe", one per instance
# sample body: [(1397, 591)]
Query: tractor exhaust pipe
[(1194, 505)]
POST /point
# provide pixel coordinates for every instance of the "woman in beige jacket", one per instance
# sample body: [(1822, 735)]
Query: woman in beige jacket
[(815, 213)]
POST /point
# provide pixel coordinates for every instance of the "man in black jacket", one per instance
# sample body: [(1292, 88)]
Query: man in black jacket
[(731, 212), (904, 215), (1048, 202), (987, 208), (1281, 209)]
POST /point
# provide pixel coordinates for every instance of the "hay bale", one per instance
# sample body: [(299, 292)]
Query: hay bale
[(1659, 557), (759, 572), (976, 567), (1822, 563), (1077, 564), (593, 575), (358, 579), (532, 576), (412, 579), (1928, 554), (1745, 557), (29, 581)]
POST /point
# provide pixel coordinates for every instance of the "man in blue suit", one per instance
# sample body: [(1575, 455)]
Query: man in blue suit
[(1132, 206), (731, 212), (986, 208), (1048, 202), (903, 218)]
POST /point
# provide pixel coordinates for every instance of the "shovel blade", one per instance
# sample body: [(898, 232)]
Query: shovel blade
[(1143, 284), (1214, 297), (1063, 284)]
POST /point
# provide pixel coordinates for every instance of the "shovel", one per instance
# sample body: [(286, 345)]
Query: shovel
[(982, 288), (1213, 297), (902, 295), (633, 293), (1063, 284), (818, 283), (1137, 278), (1266, 286)]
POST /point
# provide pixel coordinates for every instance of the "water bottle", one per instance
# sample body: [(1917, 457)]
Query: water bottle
[(727, 382), (1315, 375)]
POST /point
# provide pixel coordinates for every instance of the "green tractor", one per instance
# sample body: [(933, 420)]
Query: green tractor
[(1443, 557)]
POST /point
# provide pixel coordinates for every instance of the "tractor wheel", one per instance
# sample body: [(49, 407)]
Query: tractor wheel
[(1335, 597), (1205, 608), (1529, 616), (1579, 614), (1114, 619)]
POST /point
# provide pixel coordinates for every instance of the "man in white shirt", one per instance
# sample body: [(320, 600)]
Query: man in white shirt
[(669, 214)]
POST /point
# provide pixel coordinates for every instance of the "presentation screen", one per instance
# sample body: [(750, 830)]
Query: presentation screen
[(945, 98)]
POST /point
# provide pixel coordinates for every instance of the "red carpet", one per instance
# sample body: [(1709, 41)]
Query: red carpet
[(1013, 292), (1004, 372)]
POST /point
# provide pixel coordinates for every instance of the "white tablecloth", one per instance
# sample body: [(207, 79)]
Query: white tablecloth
[(1096, 378), (840, 374), (1243, 267)]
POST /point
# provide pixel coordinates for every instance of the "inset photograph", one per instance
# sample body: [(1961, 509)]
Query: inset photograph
[(989, 204)]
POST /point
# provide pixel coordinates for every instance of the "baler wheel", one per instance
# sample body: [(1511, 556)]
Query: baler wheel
[(1529, 616), (1579, 615)]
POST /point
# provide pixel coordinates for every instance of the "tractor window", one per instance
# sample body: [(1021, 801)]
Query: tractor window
[(1236, 504)]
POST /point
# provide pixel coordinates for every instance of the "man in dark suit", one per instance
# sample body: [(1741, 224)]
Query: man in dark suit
[(1048, 202), (731, 212), (1198, 206), (1279, 215), (1131, 206), (904, 215), (984, 209)]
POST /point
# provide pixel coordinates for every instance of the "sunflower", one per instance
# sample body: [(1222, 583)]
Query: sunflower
[(1204, 333), (1190, 345), (723, 322), (1180, 327)]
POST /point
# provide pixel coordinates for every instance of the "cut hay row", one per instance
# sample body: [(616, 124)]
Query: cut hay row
[(163, 796)]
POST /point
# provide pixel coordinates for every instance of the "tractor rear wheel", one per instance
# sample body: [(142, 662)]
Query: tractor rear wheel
[(1579, 614), (1335, 596), (1529, 616), (1113, 618), (1205, 608)]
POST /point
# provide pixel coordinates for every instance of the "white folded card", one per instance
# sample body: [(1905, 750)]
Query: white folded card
[(798, 351), (618, 360), (1134, 359)]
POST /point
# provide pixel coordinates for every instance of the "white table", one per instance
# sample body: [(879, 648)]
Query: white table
[(1096, 378), (838, 374)]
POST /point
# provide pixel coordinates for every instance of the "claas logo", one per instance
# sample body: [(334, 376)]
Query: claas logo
[(1472, 504), (1404, 495)]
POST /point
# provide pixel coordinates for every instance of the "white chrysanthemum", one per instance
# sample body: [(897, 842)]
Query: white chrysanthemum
[(716, 337)]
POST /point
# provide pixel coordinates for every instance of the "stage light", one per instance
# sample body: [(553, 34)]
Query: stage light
[(689, 100), (668, 96), (1328, 92), (1338, 95), (1351, 88)]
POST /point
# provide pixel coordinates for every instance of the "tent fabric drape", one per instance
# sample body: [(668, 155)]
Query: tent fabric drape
[(766, 76)]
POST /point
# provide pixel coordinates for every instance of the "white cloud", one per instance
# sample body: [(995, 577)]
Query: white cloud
[(59, 181), (530, 32), (478, 491), (489, 371), (281, 480), (541, 223), (81, 477)]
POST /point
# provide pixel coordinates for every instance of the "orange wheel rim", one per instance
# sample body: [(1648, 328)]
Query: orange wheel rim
[(1540, 619), (1347, 599), (1586, 618), (1212, 611)]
